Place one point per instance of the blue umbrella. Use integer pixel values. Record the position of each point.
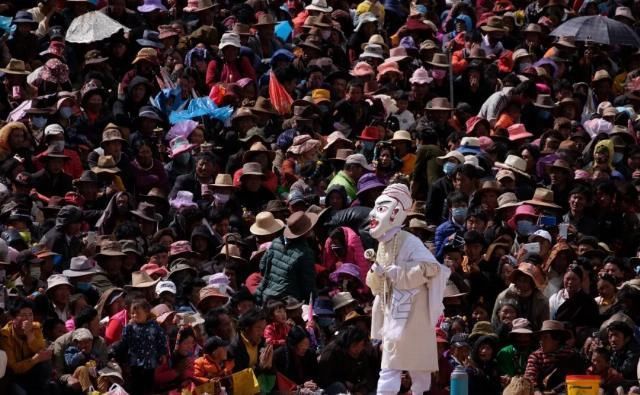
(598, 29)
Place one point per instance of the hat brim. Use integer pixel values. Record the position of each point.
(110, 254)
(77, 273)
(508, 167)
(486, 28)
(259, 231)
(541, 203)
(110, 170)
(313, 220)
(312, 7)
(146, 284)
(156, 218)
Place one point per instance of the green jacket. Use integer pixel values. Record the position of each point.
(512, 362)
(349, 185)
(288, 269)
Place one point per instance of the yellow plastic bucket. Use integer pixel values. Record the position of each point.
(583, 385)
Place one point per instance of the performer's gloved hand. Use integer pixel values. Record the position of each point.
(392, 272)
(377, 269)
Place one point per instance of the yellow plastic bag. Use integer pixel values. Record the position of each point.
(245, 382)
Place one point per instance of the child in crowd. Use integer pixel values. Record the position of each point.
(213, 365)
(144, 344)
(277, 330)
(79, 359)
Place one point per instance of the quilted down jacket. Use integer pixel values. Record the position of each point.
(288, 270)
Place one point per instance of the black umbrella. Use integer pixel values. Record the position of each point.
(598, 29)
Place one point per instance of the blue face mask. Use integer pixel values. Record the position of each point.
(525, 227)
(82, 286)
(618, 157)
(39, 122)
(448, 168)
(66, 112)
(459, 214)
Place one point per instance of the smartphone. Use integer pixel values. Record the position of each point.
(532, 248)
(547, 220)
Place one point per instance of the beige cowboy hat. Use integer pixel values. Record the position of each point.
(258, 148)
(514, 163)
(141, 279)
(223, 181)
(542, 197)
(15, 67)
(266, 224)
(106, 164)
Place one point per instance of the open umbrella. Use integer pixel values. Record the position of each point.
(598, 29)
(91, 27)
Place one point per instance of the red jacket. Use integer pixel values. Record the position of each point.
(276, 334)
(72, 167)
(231, 72)
(355, 254)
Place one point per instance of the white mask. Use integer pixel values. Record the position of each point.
(221, 198)
(57, 145)
(386, 215)
(34, 270)
(326, 34)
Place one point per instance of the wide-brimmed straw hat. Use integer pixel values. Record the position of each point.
(514, 163)
(141, 279)
(266, 224)
(553, 326)
(106, 164)
(258, 148)
(15, 67)
(532, 271)
(542, 197)
(299, 224)
(80, 266)
(439, 104)
(110, 248)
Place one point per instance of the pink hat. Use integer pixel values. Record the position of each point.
(522, 211)
(518, 132)
(152, 268)
(180, 247)
(388, 67)
(362, 69)
(399, 192)
(474, 121)
(179, 145)
(242, 82)
(420, 76)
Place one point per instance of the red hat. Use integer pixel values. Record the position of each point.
(252, 282)
(370, 133)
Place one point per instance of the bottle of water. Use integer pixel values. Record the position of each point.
(459, 381)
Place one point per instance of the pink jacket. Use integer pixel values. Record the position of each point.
(355, 254)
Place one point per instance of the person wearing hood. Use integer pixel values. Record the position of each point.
(483, 369)
(13, 138)
(63, 238)
(344, 246)
(138, 93)
(117, 211)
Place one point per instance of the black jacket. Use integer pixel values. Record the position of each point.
(48, 185)
(297, 369)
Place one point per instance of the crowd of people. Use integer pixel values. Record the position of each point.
(185, 199)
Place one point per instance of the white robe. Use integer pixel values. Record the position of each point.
(419, 277)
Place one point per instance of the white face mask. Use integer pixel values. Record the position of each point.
(386, 215)
(326, 34)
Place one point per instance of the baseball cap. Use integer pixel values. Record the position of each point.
(460, 340)
(166, 286)
(541, 233)
(358, 159)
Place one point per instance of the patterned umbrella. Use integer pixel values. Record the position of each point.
(598, 29)
(91, 27)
